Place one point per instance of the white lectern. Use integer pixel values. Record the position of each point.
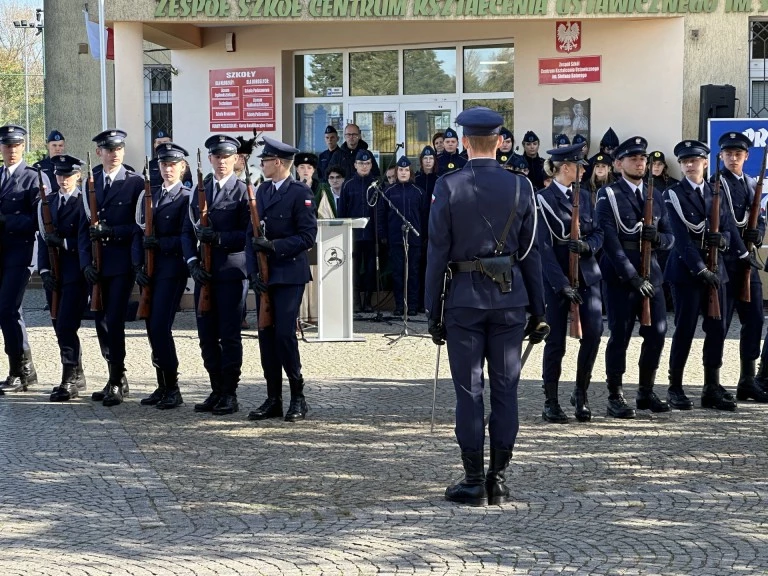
(334, 279)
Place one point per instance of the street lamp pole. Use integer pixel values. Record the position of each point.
(26, 25)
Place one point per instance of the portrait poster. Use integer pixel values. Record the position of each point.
(571, 117)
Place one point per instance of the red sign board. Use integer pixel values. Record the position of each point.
(567, 36)
(242, 99)
(569, 70)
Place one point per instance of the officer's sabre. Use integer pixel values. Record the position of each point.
(446, 277)
(526, 353)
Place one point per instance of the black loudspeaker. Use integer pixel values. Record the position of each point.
(715, 102)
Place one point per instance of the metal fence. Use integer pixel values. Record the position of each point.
(24, 108)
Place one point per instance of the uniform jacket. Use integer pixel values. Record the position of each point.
(156, 179)
(47, 165)
(447, 163)
(117, 209)
(290, 223)
(229, 216)
(554, 231)
(738, 200)
(67, 221)
(410, 200)
(505, 158)
(353, 203)
(463, 201)
(689, 255)
(345, 158)
(168, 223)
(324, 163)
(535, 170)
(619, 263)
(18, 197)
(427, 184)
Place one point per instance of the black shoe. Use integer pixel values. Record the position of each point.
(114, 396)
(748, 387)
(271, 408)
(208, 404)
(553, 413)
(717, 401)
(15, 381)
(99, 395)
(677, 399)
(171, 399)
(647, 399)
(227, 404)
(64, 392)
(159, 392)
(580, 401)
(471, 490)
(618, 407)
(761, 378)
(297, 410)
(495, 485)
(714, 395)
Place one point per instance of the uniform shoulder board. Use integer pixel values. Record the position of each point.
(129, 169)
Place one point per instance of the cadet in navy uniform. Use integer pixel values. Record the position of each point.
(738, 191)
(506, 153)
(409, 200)
(324, 159)
(220, 329)
(117, 191)
(562, 141)
(534, 161)
(67, 211)
(155, 174)
(55, 144)
(290, 228)
(450, 159)
(620, 207)
(353, 203)
(425, 179)
(170, 204)
(556, 245)
(689, 204)
(18, 223)
(484, 218)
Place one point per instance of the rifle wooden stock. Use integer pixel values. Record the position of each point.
(713, 307)
(53, 253)
(573, 260)
(265, 302)
(96, 303)
(754, 213)
(145, 302)
(206, 256)
(646, 249)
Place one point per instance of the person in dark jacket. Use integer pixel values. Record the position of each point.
(535, 162)
(324, 160)
(345, 155)
(425, 179)
(450, 160)
(56, 145)
(658, 165)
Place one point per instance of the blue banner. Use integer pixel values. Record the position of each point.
(756, 129)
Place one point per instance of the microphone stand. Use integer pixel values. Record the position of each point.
(406, 228)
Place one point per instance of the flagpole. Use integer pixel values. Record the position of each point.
(103, 65)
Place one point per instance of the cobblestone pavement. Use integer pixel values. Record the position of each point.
(358, 488)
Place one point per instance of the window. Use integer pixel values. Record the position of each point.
(489, 68)
(311, 120)
(504, 106)
(758, 69)
(319, 75)
(429, 71)
(373, 73)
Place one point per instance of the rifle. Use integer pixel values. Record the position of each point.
(573, 259)
(646, 250)
(53, 253)
(145, 303)
(754, 212)
(265, 302)
(96, 303)
(206, 257)
(713, 309)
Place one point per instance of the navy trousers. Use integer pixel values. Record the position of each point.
(397, 263)
(12, 285)
(166, 296)
(624, 305)
(590, 313)
(750, 313)
(364, 262)
(278, 345)
(475, 337)
(691, 302)
(73, 297)
(110, 321)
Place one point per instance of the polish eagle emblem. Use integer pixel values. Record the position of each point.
(568, 36)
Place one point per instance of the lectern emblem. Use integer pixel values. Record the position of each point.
(334, 257)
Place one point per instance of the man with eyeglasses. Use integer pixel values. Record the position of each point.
(344, 156)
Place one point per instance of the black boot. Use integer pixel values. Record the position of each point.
(495, 485)
(552, 411)
(159, 392)
(297, 410)
(471, 490)
(213, 398)
(28, 368)
(761, 378)
(114, 395)
(16, 381)
(68, 387)
(172, 397)
(271, 408)
(579, 397)
(99, 395)
(646, 398)
(748, 387)
(712, 396)
(675, 394)
(227, 403)
(617, 404)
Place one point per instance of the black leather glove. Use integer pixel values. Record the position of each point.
(643, 286)
(197, 272)
(206, 235)
(53, 240)
(91, 274)
(100, 231)
(579, 247)
(142, 278)
(257, 284)
(261, 244)
(715, 240)
(650, 234)
(709, 278)
(571, 294)
(749, 261)
(49, 282)
(753, 235)
(437, 330)
(151, 242)
(537, 329)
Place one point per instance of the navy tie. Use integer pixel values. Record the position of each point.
(569, 195)
(107, 184)
(639, 196)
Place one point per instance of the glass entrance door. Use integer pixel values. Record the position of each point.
(378, 128)
(421, 120)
